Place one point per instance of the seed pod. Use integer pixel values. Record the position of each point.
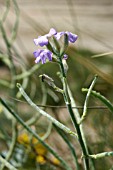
(47, 79)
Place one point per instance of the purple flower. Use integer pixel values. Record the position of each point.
(71, 37)
(59, 34)
(43, 40)
(65, 56)
(41, 55)
(51, 32)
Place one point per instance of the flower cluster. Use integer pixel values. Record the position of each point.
(35, 149)
(43, 40)
(41, 55)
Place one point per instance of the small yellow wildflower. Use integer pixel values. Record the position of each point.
(40, 159)
(39, 148)
(35, 148)
(24, 139)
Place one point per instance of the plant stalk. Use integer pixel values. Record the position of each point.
(74, 121)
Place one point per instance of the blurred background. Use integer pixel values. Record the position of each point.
(92, 21)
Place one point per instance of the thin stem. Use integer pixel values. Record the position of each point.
(7, 164)
(15, 27)
(6, 12)
(74, 121)
(73, 103)
(101, 97)
(25, 83)
(13, 73)
(101, 155)
(33, 120)
(87, 100)
(8, 45)
(27, 73)
(63, 135)
(13, 143)
(81, 126)
(48, 132)
(82, 144)
(35, 135)
(5, 83)
(60, 125)
(61, 107)
(77, 114)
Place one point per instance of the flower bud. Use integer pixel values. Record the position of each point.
(47, 79)
(65, 65)
(50, 82)
(65, 45)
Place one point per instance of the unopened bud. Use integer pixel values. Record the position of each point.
(65, 65)
(47, 79)
(65, 45)
(50, 82)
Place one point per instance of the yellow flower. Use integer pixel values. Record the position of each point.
(32, 144)
(23, 139)
(40, 159)
(39, 148)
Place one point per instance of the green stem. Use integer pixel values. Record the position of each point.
(76, 125)
(101, 155)
(77, 114)
(6, 12)
(7, 164)
(13, 73)
(87, 100)
(16, 24)
(60, 125)
(74, 121)
(35, 135)
(13, 143)
(27, 73)
(63, 135)
(101, 97)
(48, 132)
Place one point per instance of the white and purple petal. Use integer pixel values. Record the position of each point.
(43, 58)
(59, 34)
(49, 55)
(42, 55)
(71, 37)
(65, 56)
(41, 40)
(38, 59)
(51, 32)
(37, 53)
